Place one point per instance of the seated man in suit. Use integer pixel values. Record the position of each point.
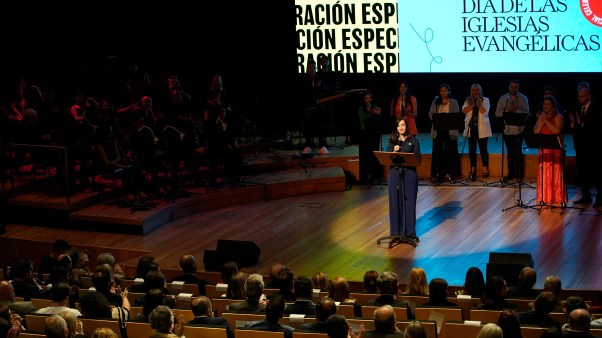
(254, 290)
(203, 315)
(303, 289)
(543, 305)
(387, 285)
(273, 313)
(579, 324)
(188, 276)
(337, 327)
(526, 280)
(7, 297)
(284, 283)
(325, 307)
(385, 321)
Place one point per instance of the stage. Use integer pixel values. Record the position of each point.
(333, 227)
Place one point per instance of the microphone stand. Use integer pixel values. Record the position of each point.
(501, 181)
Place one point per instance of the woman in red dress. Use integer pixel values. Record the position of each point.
(550, 176)
(405, 105)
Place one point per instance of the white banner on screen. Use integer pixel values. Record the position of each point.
(432, 36)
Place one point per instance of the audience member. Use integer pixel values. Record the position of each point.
(388, 288)
(490, 330)
(95, 305)
(105, 284)
(325, 307)
(274, 311)
(273, 274)
(438, 293)
(164, 324)
(570, 304)
(284, 283)
(156, 280)
(236, 286)
(320, 281)
(55, 327)
(474, 283)
(526, 281)
(417, 283)
(7, 297)
(579, 324)
(49, 260)
(303, 290)
(203, 315)
(414, 330)
(60, 300)
(104, 332)
(385, 321)
(370, 278)
(554, 285)
(496, 292)
(544, 304)
(337, 327)
(152, 299)
(509, 323)
(74, 325)
(254, 291)
(339, 291)
(24, 284)
(229, 269)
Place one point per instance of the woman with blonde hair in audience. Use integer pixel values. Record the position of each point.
(414, 330)
(320, 281)
(418, 285)
(491, 330)
(104, 332)
(74, 325)
(236, 286)
(339, 291)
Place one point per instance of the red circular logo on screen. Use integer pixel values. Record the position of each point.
(592, 10)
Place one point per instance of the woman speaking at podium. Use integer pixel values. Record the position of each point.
(403, 183)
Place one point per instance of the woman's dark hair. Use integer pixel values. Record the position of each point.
(474, 282)
(510, 324)
(95, 305)
(152, 299)
(370, 281)
(145, 264)
(229, 269)
(438, 291)
(395, 134)
(439, 99)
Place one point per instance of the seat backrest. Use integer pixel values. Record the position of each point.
(39, 303)
(297, 321)
(457, 329)
(132, 296)
(238, 320)
(298, 334)
(485, 316)
(91, 324)
(34, 322)
(522, 304)
(138, 329)
(86, 281)
(221, 304)
(347, 310)
(356, 322)
(188, 315)
(31, 335)
(134, 311)
(194, 331)
(212, 291)
(430, 326)
(362, 298)
(177, 288)
(532, 331)
(450, 313)
(246, 333)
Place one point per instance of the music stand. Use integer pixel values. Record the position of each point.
(541, 142)
(398, 160)
(444, 122)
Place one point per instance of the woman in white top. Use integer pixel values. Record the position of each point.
(477, 128)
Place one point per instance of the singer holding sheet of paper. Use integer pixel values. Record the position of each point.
(402, 202)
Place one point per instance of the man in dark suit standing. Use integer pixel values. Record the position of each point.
(587, 136)
(303, 289)
(254, 289)
(189, 269)
(203, 315)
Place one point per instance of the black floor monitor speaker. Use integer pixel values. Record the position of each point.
(508, 265)
(244, 253)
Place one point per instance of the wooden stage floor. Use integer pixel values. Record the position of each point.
(336, 232)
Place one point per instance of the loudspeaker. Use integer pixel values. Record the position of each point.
(245, 253)
(508, 265)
